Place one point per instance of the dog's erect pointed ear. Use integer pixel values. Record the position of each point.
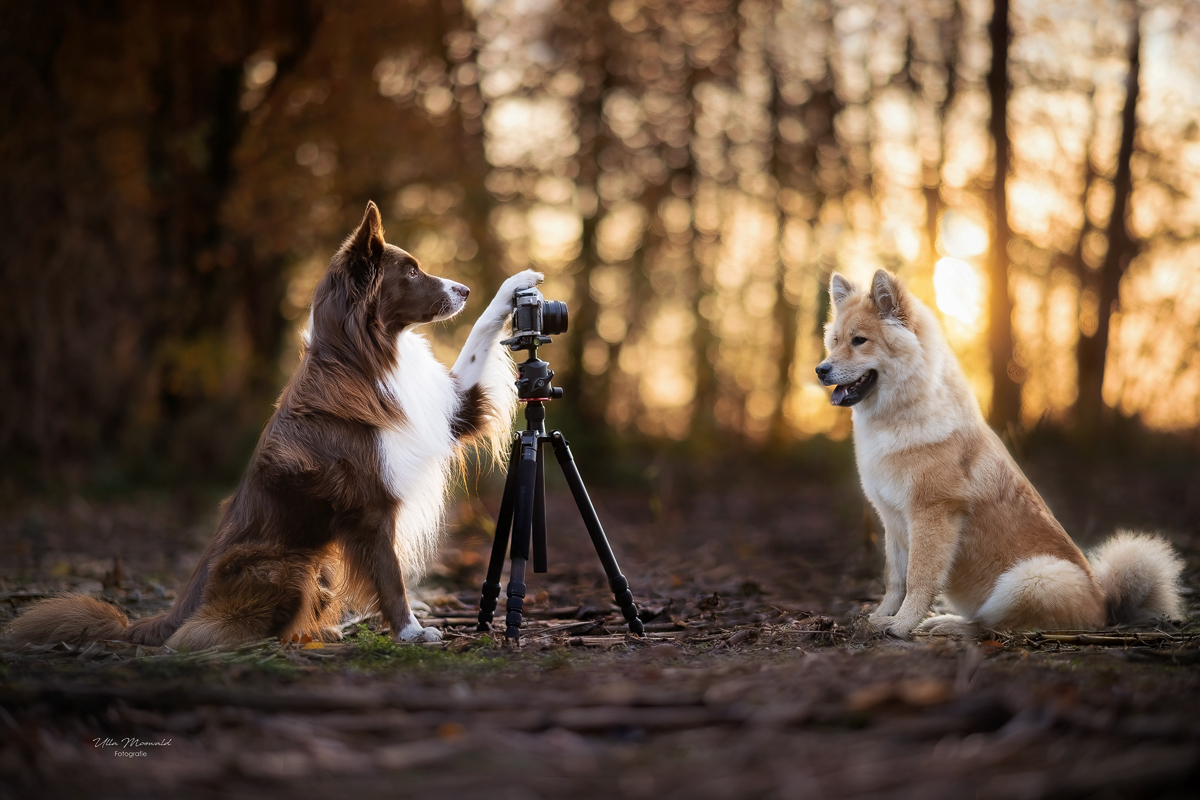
(364, 250)
(888, 295)
(367, 242)
(839, 288)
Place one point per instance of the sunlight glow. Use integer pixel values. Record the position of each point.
(959, 290)
(962, 237)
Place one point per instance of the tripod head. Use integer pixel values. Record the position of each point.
(533, 374)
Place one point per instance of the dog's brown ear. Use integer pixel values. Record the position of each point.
(367, 241)
(888, 295)
(362, 252)
(839, 288)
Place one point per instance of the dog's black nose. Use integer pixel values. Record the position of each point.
(823, 370)
(461, 290)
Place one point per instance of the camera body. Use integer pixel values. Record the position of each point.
(534, 321)
(534, 316)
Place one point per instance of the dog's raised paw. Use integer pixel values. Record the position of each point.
(526, 279)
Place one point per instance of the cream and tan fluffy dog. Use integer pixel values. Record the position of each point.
(961, 520)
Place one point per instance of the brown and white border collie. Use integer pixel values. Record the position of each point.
(344, 496)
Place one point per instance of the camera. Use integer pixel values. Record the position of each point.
(533, 316)
(534, 321)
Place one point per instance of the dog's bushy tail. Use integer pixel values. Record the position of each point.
(73, 618)
(1140, 576)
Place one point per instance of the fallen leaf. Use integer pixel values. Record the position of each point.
(869, 696)
(450, 731)
(924, 692)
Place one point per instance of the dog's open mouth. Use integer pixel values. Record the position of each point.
(847, 394)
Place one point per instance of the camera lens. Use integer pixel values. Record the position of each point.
(554, 317)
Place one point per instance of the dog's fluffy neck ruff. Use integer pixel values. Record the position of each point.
(418, 449)
(898, 413)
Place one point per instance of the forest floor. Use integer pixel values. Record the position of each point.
(752, 683)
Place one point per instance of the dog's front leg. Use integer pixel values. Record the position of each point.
(933, 544)
(483, 345)
(375, 561)
(483, 373)
(895, 550)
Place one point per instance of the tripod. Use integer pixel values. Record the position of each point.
(523, 506)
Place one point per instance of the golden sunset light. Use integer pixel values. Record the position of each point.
(959, 290)
(962, 237)
(873, 327)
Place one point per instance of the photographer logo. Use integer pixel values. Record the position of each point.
(124, 747)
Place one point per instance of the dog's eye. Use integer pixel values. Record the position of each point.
(857, 340)
(412, 272)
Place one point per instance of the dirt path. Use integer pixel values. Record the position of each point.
(752, 682)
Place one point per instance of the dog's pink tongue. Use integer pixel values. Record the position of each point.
(839, 394)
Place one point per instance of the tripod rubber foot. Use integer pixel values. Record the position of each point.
(515, 605)
(624, 598)
(487, 605)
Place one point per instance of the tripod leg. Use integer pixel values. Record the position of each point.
(616, 581)
(491, 584)
(526, 470)
(539, 512)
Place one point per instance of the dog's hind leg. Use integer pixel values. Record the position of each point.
(156, 630)
(327, 603)
(1043, 592)
(254, 593)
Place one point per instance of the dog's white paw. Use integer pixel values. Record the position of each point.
(896, 628)
(880, 621)
(885, 625)
(526, 279)
(873, 626)
(413, 632)
(948, 625)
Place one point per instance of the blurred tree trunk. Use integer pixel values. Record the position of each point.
(127, 291)
(1006, 393)
(589, 28)
(796, 167)
(931, 188)
(1092, 350)
(450, 22)
(786, 312)
(704, 431)
(1084, 271)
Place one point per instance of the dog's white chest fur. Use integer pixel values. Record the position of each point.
(416, 453)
